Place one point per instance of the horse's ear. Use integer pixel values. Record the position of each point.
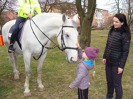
(64, 18)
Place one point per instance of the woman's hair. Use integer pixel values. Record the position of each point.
(124, 27)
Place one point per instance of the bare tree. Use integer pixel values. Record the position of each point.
(59, 6)
(44, 3)
(124, 6)
(118, 5)
(48, 5)
(86, 13)
(2, 7)
(7, 5)
(127, 8)
(130, 12)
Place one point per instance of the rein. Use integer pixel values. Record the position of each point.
(55, 45)
(63, 42)
(39, 42)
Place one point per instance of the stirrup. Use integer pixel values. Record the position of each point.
(11, 49)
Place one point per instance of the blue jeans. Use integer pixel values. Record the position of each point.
(16, 29)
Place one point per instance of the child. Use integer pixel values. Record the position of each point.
(82, 78)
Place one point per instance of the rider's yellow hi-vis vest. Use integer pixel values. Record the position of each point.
(28, 7)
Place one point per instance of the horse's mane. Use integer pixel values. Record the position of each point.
(69, 21)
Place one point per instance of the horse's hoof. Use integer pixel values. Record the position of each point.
(27, 94)
(41, 88)
(16, 77)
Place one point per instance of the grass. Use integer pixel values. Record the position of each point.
(58, 74)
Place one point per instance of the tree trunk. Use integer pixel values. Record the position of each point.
(86, 17)
(85, 37)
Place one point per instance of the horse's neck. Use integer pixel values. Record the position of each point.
(50, 24)
(46, 27)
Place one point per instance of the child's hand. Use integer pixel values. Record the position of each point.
(70, 86)
(93, 74)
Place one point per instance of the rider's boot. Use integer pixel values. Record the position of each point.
(10, 48)
(12, 41)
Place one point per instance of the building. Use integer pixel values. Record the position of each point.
(100, 19)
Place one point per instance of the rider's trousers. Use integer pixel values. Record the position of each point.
(16, 29)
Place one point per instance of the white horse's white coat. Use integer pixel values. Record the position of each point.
(51, 25)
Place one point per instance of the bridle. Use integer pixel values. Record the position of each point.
(63, 45)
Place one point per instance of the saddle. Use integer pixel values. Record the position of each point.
(19, 33)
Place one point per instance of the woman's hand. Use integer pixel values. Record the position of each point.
(104, 61)
(120, 70)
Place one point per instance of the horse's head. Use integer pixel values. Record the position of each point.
(68, 38)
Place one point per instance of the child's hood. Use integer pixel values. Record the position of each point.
(89, 67)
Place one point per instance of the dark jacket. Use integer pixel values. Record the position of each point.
(117, 48)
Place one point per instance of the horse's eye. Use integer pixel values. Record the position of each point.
(67, 35)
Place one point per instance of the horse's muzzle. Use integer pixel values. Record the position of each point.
(72, 60)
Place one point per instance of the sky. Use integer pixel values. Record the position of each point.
(104, 4)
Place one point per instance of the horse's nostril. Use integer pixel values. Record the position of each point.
(72, 60)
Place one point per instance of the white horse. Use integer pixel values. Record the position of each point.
(35, 41)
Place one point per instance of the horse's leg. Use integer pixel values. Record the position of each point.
(39, 71)
(27, 58)
(13, 58)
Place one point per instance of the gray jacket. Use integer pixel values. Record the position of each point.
(82, 77)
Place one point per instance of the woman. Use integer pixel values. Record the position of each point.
(115, 55)
(26, 10)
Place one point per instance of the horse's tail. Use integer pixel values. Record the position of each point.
(5, 30)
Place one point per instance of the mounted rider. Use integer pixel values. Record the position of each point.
(27, 9)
